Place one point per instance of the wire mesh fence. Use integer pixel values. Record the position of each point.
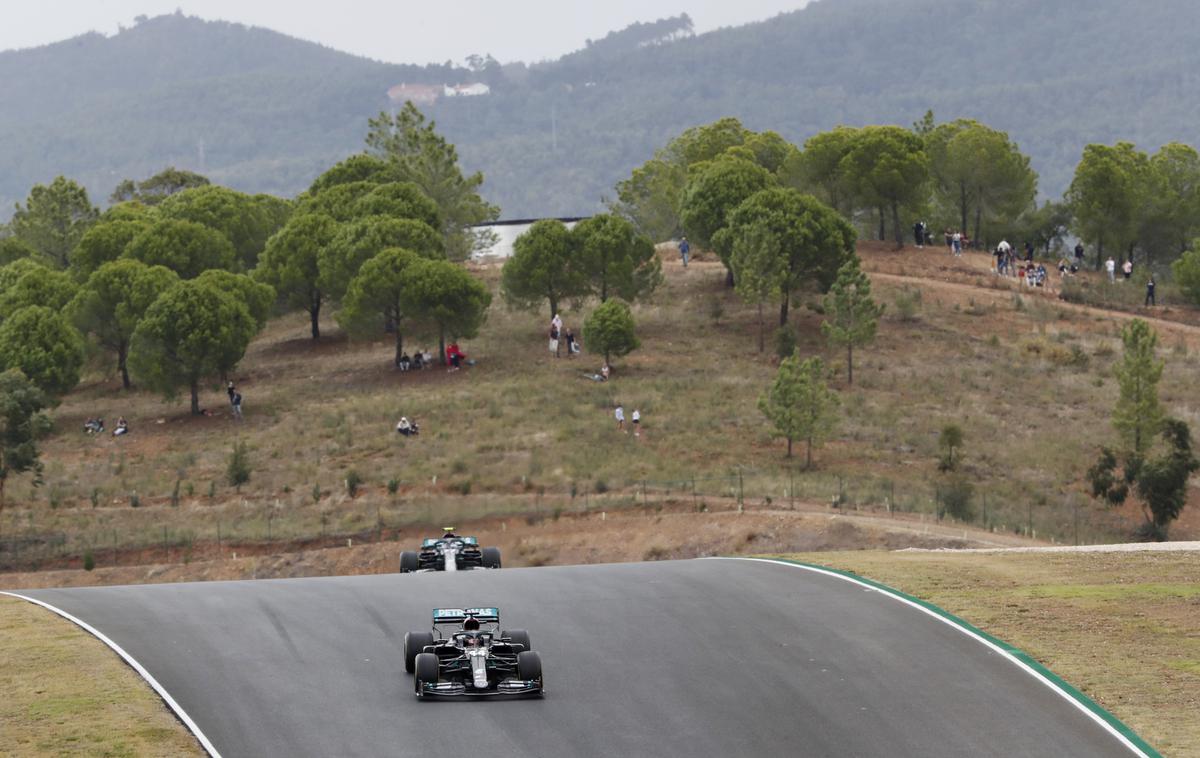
(36, 538)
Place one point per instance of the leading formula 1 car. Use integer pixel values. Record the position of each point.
(450, 552)
(467, 654)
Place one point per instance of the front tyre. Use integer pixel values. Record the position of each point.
(426, 665)
(529, 668)
(414, 643)
(491, 557)
(409, 562)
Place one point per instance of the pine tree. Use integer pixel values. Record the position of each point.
(799, 404)
(853, 317)
(1138, 415)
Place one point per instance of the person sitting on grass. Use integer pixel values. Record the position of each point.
(455, 356)
(405, 363)
(93, 426)
(407, 428)
(122, 427)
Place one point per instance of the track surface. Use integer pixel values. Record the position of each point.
(690, 658)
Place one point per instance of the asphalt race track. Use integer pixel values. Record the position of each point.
(688, 658)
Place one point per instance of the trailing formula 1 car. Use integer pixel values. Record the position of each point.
(450, 552)
(466, 654)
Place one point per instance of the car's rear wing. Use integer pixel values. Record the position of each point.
(459, 615)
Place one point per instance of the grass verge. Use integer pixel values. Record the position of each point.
(1122, 627)
(65, 693)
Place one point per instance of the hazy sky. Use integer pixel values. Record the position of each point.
(398, 32)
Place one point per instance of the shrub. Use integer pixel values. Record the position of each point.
(716, 309)
(785, 342)
(954, 496)
(135, 501)
(95, 497)
(237, 472)
(353, 480)
(393, 485)
(601, 486)
(316, 493)
(89, 561)
(908, 304)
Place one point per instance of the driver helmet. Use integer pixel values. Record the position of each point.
(471, 624)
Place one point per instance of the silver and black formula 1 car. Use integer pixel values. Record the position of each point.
(466, 654)
(450, 552)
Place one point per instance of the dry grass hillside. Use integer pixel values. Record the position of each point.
(1027, 377)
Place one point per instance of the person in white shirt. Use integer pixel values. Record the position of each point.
(1111, 267)
(637, 419)
(620, 416)
(1127, 269)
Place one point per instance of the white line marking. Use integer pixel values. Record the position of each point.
(162, 692)
(954, 625)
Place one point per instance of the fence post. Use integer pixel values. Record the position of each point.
(166, 550)
(740, 488)
(114, 547)
(792, 486)
(694, 505)
(218, 538)
(645, 500)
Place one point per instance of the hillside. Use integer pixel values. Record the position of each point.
(554, 137)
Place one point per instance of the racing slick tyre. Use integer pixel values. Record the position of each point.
(409, 562)
(426, 666)
(414, 643)
(519, 637)
(529, 666)
(491, 557)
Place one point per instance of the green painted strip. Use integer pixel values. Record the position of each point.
(1082, 699)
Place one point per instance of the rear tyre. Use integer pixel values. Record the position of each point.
(426, 666)
(409, 562)
(414, 643)
(529, 666)
(520, 637)
(491, 557)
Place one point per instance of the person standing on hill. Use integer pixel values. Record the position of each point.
(919, 234)
(684, 251)
(1111, 267)
(1079, 254)
(236, 403)
(619, 414)
(1127, 269)
(1150, 291)
(637, 420)
(957, 240)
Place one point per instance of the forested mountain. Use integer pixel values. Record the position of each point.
(554, 137)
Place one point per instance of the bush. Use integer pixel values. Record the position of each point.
(601, 486)
(353, 480)
(237, 472)
(89, 561)
(954, 497)
(908, 304)
(785, 342)
(135, 501)
(393, 485)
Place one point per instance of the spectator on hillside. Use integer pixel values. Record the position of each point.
(1002, 251)
(684, 251)
(956, 241)
(122, 427)
(1127, 269)
(1063, 268)
(619, 414)
(426, 359)
(407, 428)
(1111, 267)
(1150, 291)
(231, 391)
(1078, 253)
(93, 426)
(919, 233)
(949, 240)
(405, 362)
(455, 356)
(236, 403)
(1028, 251)
(572, 343)
(637, 420)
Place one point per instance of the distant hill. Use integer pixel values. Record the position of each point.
(553, 138)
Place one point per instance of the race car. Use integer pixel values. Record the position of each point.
(466, 654)
(450, 552)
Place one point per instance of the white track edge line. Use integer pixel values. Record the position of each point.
(955, 625)
(133, 662)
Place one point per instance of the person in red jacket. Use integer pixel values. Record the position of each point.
(455, 356)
